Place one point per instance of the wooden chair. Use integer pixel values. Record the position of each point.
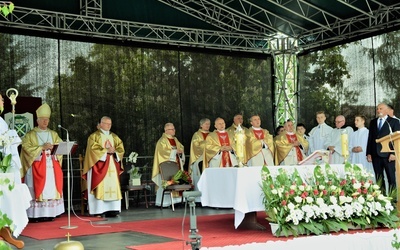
(167, 170)
(135, 188)
(126, 188)
(84, 201)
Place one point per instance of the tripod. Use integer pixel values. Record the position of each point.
(195, 239)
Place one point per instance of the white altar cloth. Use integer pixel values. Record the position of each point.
(14, 203)
(237, 188)
(240, 188)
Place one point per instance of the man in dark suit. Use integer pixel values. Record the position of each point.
(378, 128)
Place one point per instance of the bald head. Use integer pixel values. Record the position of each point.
(219, 124)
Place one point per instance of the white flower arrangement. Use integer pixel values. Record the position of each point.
(134, 171)
(326, 202)
(132, 158)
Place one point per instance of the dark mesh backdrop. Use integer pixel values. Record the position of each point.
(142, 89)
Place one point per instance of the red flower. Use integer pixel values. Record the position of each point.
(284, 202)
(316, 192)
(291, 192)
(324, 192)
(341, 193)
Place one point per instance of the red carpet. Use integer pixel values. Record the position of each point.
(52, 230)
(216, 230)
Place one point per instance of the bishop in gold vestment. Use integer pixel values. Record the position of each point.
(41, 170)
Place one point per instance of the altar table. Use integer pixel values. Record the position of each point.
(240, 188)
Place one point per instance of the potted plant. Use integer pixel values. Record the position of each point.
(134, 172)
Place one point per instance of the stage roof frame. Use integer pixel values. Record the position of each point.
(240, 26)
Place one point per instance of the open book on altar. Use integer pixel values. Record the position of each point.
(318, 157)
(64, 148)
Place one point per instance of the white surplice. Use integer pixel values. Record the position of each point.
(360, 139)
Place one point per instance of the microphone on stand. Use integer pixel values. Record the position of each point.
(65, 130)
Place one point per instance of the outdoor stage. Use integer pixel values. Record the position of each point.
(152, 228)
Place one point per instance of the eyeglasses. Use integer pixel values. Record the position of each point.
(338, 121)
(170, 129)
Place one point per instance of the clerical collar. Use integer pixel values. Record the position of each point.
(256, 128)
(289, 133)
(221, 131)
(169, 136)
(203, 131)
(105, 132)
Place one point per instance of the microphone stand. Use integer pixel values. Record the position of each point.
(68, 184)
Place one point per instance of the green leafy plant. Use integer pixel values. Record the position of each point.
(395, 242)
(326, 201)
(5, 162)
(4, 220)
(6, 8)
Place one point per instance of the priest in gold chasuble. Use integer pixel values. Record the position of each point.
(259, 144)
(197, 146)
(291, 147)
(219, 149)
(168, 148)
(102, 167)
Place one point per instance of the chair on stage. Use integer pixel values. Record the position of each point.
(126, 188)
(167, 170)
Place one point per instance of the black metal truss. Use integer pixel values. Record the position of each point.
(240, 25)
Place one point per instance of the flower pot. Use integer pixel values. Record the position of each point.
(274, 229)
(135, 182)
